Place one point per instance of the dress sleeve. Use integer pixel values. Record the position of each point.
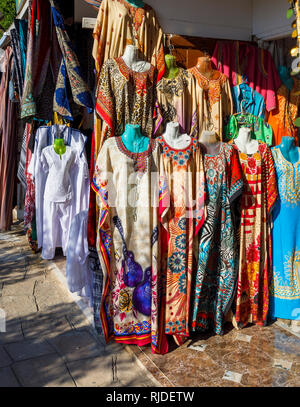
(235, 176)
(227, 100)
(100, 34)
(104, 96)
(272, 191)
(158, 57)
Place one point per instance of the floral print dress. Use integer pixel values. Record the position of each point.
(186, 182)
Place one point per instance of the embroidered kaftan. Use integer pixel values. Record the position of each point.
(285, 287)
(217, 101)
(125, 96)
(218, 256)
(128, 242)
(186, 181)
(177, 100)
(255, 269)
(120, 24)
(283, 117)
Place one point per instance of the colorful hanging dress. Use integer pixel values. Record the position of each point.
(255, 269)
(120, 24)
(177, 100)
(261, 130)
(131, 198)
(217, 100)
(186, 182)
(283, 117)
(218, 256)
(285, 287)
(125, 96)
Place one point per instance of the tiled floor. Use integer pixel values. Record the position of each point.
(254, 356)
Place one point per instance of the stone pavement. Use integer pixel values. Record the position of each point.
(48, 340)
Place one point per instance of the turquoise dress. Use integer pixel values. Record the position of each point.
(285, 284)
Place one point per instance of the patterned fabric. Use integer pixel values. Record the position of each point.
(249, 100)
(128, 244)
(22, 161)
(124, 96)
(285, 287)
(94, 3)
(95, 267)
(186, 180)
(119, 24)
(255, 269)
(237, 60)
(15, 40)
(8, 144)
(70, 69)
(217, 100)
(177, 100)
(261, 130)
(218, 256)
(283, 117)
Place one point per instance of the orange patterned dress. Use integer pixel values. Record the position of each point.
(186, 180)
(283, 117)
(217, 100)
(258, 199)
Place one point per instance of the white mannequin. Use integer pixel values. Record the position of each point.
(245, 143)
(174, 138)
(210, 141)
(130, 58)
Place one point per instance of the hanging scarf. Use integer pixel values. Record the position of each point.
(69, 73)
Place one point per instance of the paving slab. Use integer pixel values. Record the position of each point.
(92, 372)
(13, 332)
(28, 349)
(5, 360)
(45, 325)
(7, 378)
(24, 287)
(44, 371)
(49, 294)
(17, 307)
(77, 345)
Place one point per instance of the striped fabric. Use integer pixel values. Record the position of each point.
(94, 3)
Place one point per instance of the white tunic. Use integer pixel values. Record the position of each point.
(64, 194)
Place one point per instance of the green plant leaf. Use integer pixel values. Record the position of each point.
(297, 122)
(289, 13)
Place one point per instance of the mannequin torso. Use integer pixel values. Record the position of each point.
(289, 149)
(59, 146)
(134, 140)
(209, 140)
(136, 3)
(204, 66)
(245, 143)
(173, 137)
(171, 67)
(130, 58)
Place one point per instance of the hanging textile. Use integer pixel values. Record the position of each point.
(8, 143)
(283, 117)
(15, 41)
(94, 3)
(236, 60)
(248, 100)
(44, 137)
(177, 100)
(261, 130)
(255, 260)
(217, 100)
(125, 96)
(186, 180)
(22, 28)
(119, 24)
(128, 242)
(69, 73)
(218, 257)
(285, 286)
